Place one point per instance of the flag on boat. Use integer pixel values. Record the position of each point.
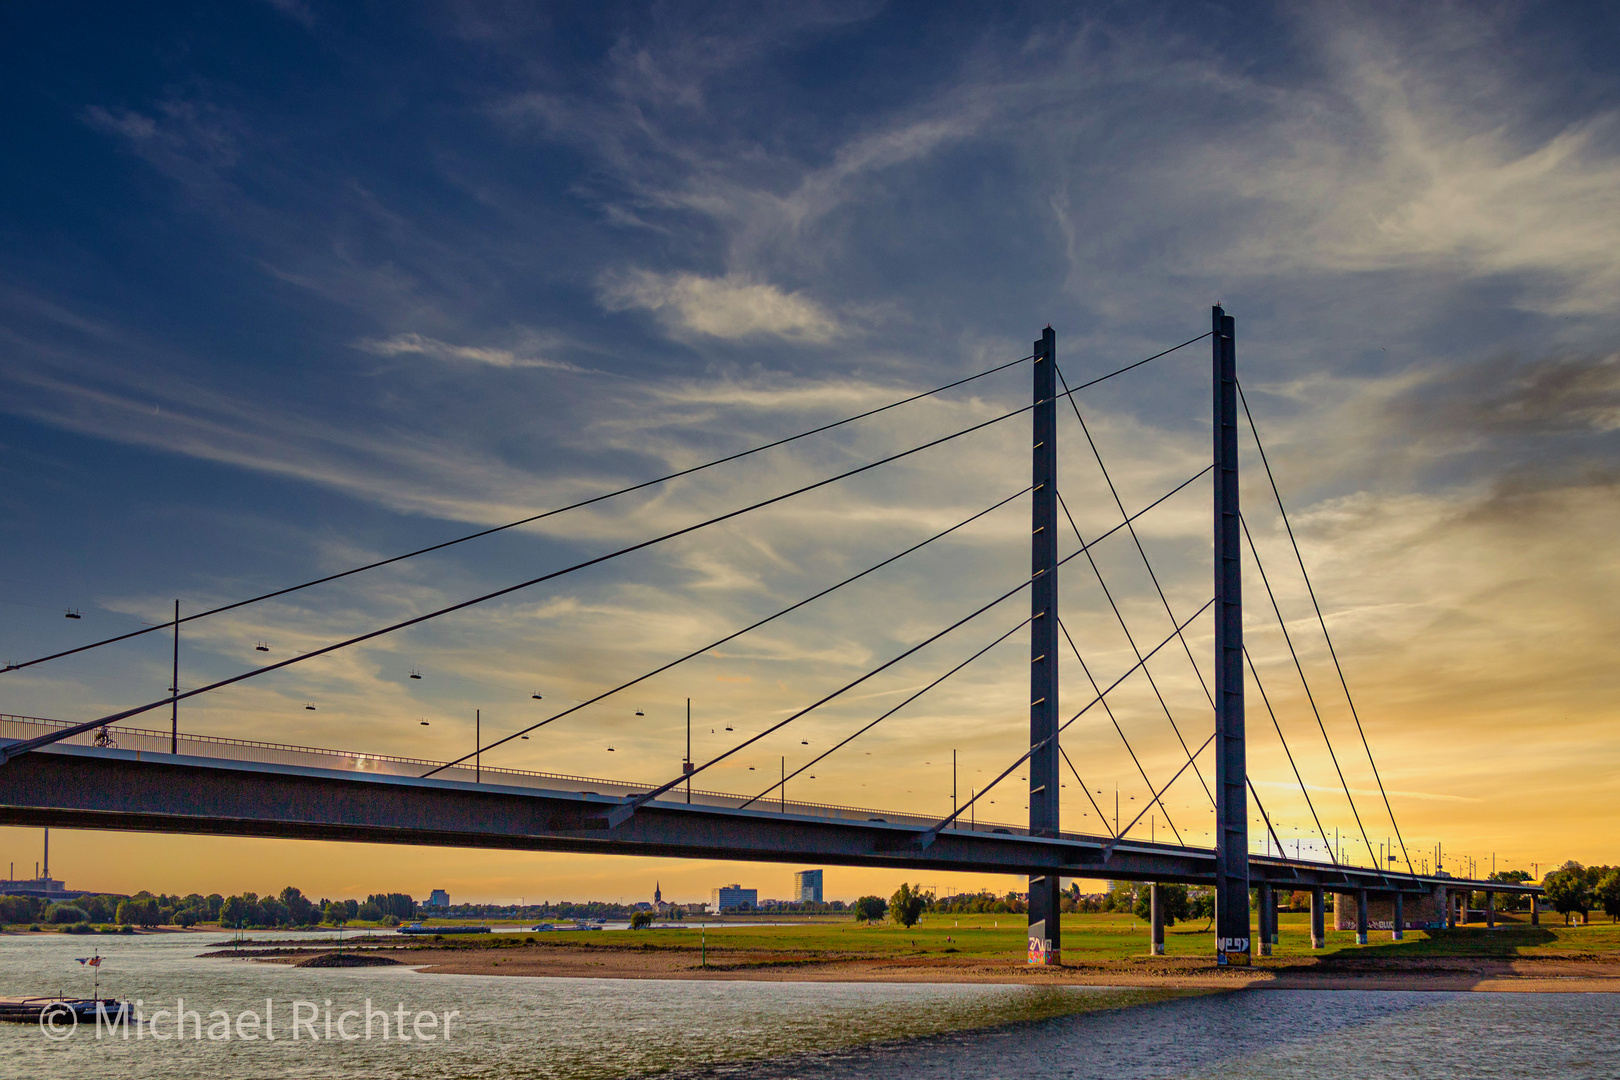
(93, 961)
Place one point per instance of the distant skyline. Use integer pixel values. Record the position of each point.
(290, 286)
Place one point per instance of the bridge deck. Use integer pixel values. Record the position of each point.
(244, 788)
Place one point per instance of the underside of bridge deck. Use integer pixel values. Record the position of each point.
(84, 788)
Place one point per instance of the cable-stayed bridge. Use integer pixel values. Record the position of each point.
(105, 773)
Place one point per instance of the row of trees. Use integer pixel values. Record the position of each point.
(289, 907)
(910, 902)
(1573, 887)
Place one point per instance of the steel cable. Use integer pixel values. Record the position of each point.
(1281, 509)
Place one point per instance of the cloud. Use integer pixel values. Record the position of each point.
(1550, 395)
(1414, 156)
(414, 344)
(731, 307)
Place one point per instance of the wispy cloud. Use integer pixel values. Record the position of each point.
(731, 308)
(414, 344)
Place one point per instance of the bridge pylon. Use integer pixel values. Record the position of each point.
(1045, 932)
(1232, 940)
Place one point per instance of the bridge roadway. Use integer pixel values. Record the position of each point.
(229, 787)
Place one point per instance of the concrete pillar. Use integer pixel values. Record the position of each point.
(1361, 916)
(1446, 906)
(1318, 929)
(1268, 915)
(1490, 910)
(1400, 917)
(1156, 921)
(1535, 911)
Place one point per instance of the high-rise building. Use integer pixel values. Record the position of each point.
(438, 898)
(733, 898)
(807, 886)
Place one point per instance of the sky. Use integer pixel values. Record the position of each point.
(287, 287)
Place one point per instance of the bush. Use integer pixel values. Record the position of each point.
(641, 920)
(67, 913)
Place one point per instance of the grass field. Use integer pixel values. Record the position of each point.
(1086, 938)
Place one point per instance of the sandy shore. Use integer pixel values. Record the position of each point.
(599, 962)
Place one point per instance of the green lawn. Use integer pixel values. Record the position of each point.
(1085, 937)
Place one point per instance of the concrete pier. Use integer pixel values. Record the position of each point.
(1399, 927)
(1447, 906)
(1361, 916)
(1535, 911)
(1318, 919)
(1156, 920)
(1490, 911)
(1268, 917)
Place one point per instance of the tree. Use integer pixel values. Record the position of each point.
(136, 912)
(1567, 889)
(232, 913)
(870, 909)
(298, 907)
(369, 912)
(66, 913)
(907, 904)
(1172, 898)
(641, 920)
(1202, 905)
(1608, 892)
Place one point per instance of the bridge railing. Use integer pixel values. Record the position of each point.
(149, 741)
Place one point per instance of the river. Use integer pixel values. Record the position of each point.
(563, 1029)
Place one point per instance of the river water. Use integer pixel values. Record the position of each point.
(521, 1028)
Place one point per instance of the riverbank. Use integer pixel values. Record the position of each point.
(1100, 950)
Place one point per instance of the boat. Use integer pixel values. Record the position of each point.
(418, 928)
(30, 1010)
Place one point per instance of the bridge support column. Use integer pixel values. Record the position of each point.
(1535, 911)
(1268, 916)
(1446, 909)
(1231, 759)
(1156, 920)
(1490, 911)
(1361, 916)
(1399, 930)
(1318, 927)
(1045, 930)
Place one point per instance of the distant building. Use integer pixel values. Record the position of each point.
(733, 898)
(807, 886)
(438, 898)
(45, 888)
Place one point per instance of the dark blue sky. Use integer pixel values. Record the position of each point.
(288, 286)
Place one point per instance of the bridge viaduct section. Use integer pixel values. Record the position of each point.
(82, 787)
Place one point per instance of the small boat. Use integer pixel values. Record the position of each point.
(30, 1010)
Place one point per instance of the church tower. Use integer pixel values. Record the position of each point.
(658, 895)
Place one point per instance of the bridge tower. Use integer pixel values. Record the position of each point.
(1045, 934)
(1231, 765)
